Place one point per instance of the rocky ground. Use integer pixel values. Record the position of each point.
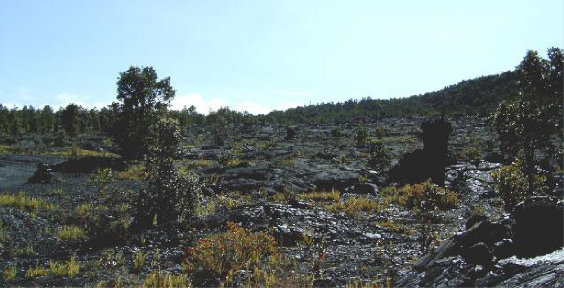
(264, 182)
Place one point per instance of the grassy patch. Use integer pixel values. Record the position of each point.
(81, 152)
(27, 203)
(427, 194)
(280, 197)
(354, 205)
(333, 196)
(395, 227)
(159, 279)
(139, 260)
(223, 254)
(11, 272)
(198, 163)
(135, 172)
(71, 234)
(69, 268)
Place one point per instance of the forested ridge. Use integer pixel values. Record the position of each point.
(479, 96)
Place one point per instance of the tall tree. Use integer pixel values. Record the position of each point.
(534, 117)
(46, 120)
(71, 119)
(142, 101)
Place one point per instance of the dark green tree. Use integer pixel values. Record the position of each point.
(527, 124)
(46, 120)
(71, 119)
(170, 194)
(379, 157)
(143, 99)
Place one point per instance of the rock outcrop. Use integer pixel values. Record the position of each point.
(491, 253)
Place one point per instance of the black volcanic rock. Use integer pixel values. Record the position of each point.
(429, 163)
(538, 225)
(42, 175)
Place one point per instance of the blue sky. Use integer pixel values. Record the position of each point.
(261, 55)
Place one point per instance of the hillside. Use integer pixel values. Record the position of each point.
(478, 96)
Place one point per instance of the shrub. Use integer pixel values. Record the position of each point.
(512, 185)
(333, 195)
(379, 132)
(70, 269)
(472, 155)
(27, 203)
(423, 199)
(354, 205)
(139, 260)
(11, 272)
(171, 194)
(379, 157)
(71, 234)
(290, 132)
(219, 131)
(336, 132)
(135, 172)
(222, 254)
(360, 135)
(160, 279)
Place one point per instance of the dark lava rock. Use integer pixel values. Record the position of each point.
(89, 164)
(478, 254)
(325, 282)
(475, 219)
(504, 249)
(420, 165)
(365, 189)
(42, 175)
(337, 180)
(486, 254)
(538, 225)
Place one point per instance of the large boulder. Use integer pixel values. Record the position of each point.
(42, 175)
(538, 227)
(420, 165)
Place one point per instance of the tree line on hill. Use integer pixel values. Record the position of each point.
(480, 96)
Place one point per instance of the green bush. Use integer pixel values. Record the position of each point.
(379, 157)
(512, 185)
(423, 199)
(336, 132)
(171, 194)
(473, 155)
(360, 135)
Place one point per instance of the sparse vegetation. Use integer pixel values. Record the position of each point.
(424, 199)
(354, 205)
(360, 135)
(159, 279)
(27, 203)
(69, 268)
(11, 272)
(512, 185)
(249, 208)
(71, 234)
(223, 254)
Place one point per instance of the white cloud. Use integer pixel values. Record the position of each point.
(253, 108)
(202, 106)
(65, 99)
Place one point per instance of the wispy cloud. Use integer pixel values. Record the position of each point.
(202, 105)
(252, 107)
(65, 99)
